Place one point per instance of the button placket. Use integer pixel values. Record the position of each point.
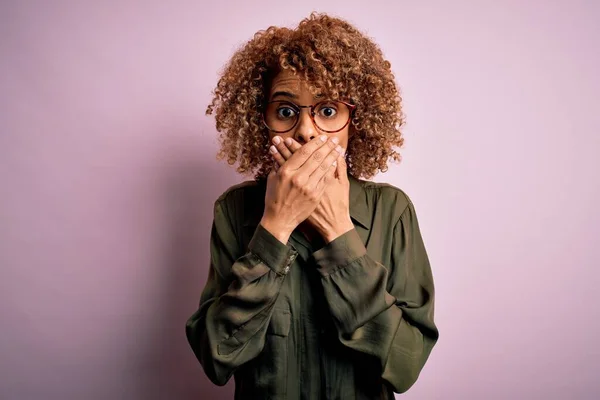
(291, 259)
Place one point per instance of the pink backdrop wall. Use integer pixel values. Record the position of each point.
(108, 179)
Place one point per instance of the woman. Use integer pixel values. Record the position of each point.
(319, 285)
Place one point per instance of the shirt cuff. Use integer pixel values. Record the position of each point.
(271, 251)
(339, 252)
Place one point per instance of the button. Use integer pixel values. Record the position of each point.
(286, 269)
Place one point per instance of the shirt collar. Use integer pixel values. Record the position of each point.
(359, 209)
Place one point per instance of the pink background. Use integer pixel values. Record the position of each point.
(108, 177)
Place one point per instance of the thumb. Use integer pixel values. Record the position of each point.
(272, 172)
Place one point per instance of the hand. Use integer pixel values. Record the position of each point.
(295, 189)
(331, 218)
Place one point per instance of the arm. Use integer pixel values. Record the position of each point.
(385, 312)
(237, 302)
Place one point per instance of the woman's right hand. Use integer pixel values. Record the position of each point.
(294, 190)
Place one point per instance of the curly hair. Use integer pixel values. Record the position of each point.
(337, 61)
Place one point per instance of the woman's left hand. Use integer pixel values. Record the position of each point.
(331, 218)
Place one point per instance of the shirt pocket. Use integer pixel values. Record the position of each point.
(265, 377)
(280, 323)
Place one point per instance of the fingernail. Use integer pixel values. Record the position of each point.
(276, 139)
(340, 149)
(335, 140)
(273, 149)
(323, 138)
(288, 141)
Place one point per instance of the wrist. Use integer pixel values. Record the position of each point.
(337, 231)
(280, 232)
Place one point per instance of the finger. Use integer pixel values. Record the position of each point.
(327, 178)
(306, 152)
(325, 154)
(323, 168)
(281, 147)
(342, 173)
(276, 155)
(292, 145)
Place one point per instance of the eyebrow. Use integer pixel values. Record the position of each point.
(285, 94)
(290, 94)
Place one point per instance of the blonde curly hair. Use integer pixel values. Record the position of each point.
(337, 61)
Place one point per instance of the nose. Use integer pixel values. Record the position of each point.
(305, 129)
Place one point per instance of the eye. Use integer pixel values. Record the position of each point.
(327, 111)
(286, 112)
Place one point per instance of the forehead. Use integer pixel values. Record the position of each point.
(288, 80)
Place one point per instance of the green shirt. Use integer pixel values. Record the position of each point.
(350, 320)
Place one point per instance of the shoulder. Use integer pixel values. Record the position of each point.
(388, 195)
(242, 199)
(240, 190)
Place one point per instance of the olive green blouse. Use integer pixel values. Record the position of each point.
(350, 320)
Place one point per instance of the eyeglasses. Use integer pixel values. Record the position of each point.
(328, 116)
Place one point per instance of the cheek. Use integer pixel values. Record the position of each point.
(343, 136)
(286, 135)
(283, 136)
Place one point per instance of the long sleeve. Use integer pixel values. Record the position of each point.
(383, 311)
(237, 302)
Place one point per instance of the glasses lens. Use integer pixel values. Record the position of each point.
(281, 116)
(331, 115)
